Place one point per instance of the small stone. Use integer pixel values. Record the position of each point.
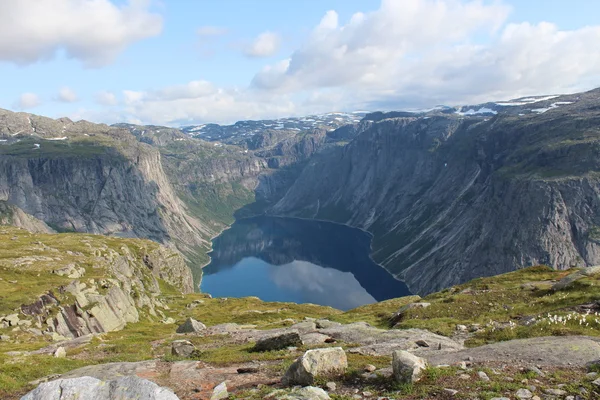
(524, 394)
(168, 321)
(464, 377)
(182, 348)
(4, 338)
(499, 398)
(306, 393)
(191, 326)
(483, 376)
(596, 382)
(536, 370)
(220, 392)
(331, 386)
(407, 367)
(367, 394)
(422, 343)
(370, 368)
(461, 328)
(591, 375)
(60, 352)
(555, 392)
(451, 392)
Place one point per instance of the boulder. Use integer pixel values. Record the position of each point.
(569, 279)
(182, 348)
(220, 392)
(191, 326)
(407, 367)
(305, 326)
(88, 388)
(60, 352)
(316, 362)
(523, 394)
(306, 393)
(279, 341)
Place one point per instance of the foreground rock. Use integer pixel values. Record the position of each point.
(317, 362)
(407, 367)
(191, 326)
(571, 278)
(565, 351)
(279, 341)
(88, 388)
(306, 393)
(182, 348)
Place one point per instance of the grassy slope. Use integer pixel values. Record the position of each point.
(478, 301)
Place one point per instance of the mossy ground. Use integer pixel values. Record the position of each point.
(504, 298)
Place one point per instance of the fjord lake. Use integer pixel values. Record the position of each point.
(300, 261)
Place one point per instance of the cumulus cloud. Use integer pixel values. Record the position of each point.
(28, 100)
(406, 54)
(67, 95)
(265, 45)
(106, 98)
(93, 31)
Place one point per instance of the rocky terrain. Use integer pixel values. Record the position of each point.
(118, 315)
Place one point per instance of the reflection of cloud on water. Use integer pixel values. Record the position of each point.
(320, 285)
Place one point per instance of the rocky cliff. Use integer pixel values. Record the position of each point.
(70, 285)
(12, 215)
(451, 197)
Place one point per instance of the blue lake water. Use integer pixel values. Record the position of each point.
(301, 261)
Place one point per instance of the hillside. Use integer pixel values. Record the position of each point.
(452, 196)
(481, 322)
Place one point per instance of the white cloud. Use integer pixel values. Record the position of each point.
(93, 31)
(67, 95)
(408, 54)
(106, 98)
(265, 45)
(207, 31)
(28, 100)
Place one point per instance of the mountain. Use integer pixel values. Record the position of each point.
(241, 131)
(454, 196)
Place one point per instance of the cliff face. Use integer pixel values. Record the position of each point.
(451, 198)
(12, 215)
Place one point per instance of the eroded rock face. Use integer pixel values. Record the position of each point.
(407, 367)
(316, 362)
(87, 388)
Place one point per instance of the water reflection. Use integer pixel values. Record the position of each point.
(281, 259)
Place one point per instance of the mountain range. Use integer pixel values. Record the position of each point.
(449, 194)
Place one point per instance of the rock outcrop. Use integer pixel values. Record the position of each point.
(88, 388)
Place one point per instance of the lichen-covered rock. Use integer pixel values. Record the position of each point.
(220, 392)
(191, 326)
(88, 388)
(278, 341)
(407, 367)
(316, 362)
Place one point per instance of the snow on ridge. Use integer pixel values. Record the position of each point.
(553, 105)
(525, 100)
(482, 110)
(60, 138)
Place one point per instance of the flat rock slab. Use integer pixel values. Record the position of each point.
(382, 342)
(560, 351)
(188, 379)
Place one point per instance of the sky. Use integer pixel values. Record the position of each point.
(181, 62)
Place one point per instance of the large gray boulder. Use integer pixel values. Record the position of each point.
(407, 367)
(279, 341)
(316, 362)
(191, 326)
(88, 388)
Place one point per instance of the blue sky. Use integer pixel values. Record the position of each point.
(181, 62)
